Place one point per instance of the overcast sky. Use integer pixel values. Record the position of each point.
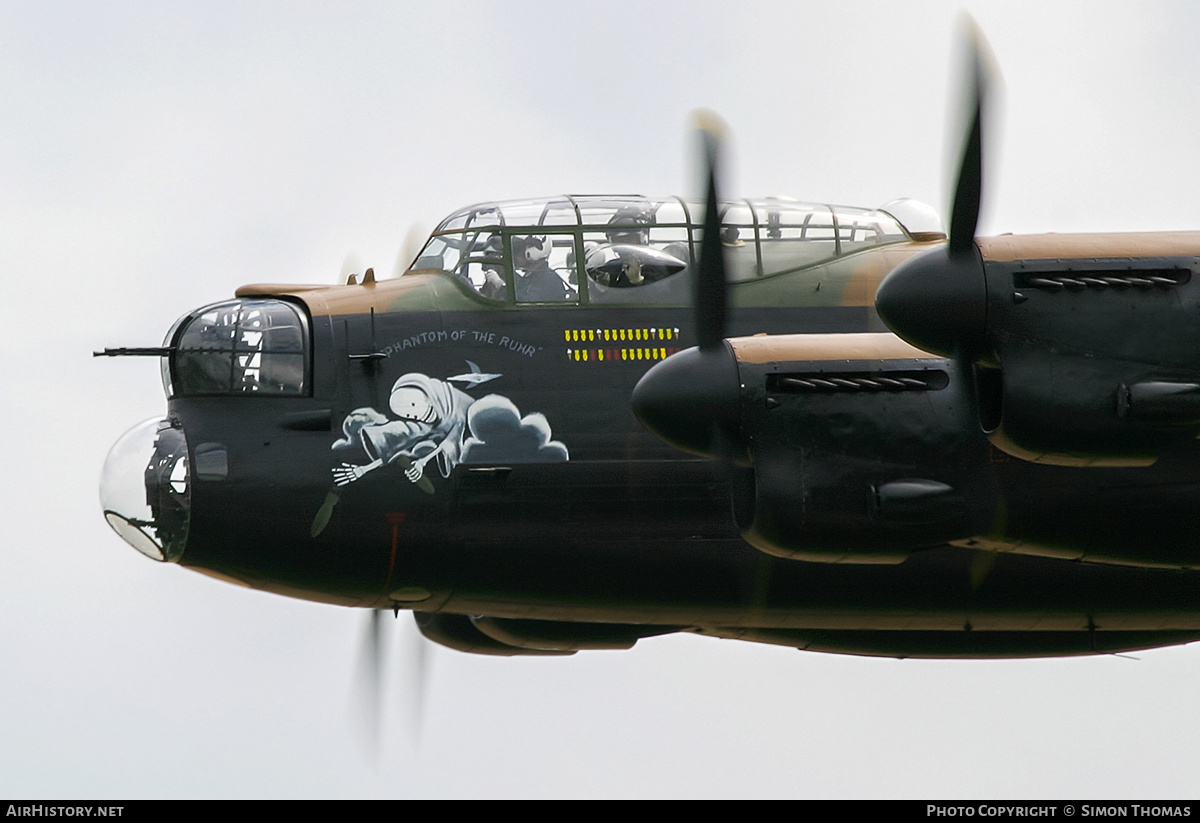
(155, 156)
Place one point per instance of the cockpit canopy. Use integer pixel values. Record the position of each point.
(628, 248)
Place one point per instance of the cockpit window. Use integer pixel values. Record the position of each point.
(474, 258)
(544, 269)
(482, 266)
(795, 235)
(482, 215)
(244, 346)
(627, 264)
(441, 253)
(605, 211)
(634, 249)
(860, 229)
(738, 239)
(554, 212)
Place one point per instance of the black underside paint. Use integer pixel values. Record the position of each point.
(627, 529)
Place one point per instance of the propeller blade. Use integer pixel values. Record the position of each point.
(415, 661)
(368, 689)
(938, 300)
(410, 247)
(710, 279)
(368, 686)
(968, 189)
(691, 399)
(352, 265)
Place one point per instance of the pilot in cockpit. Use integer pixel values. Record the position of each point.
(535, 281)
(630, 226)
(619, 262)
(493, 271)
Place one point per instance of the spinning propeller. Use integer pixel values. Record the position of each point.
(410, 247)
(710, 283)
(368, 689)
(938, 300)
(691, 398)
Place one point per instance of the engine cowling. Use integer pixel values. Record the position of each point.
(1090, 342)
(852, 448)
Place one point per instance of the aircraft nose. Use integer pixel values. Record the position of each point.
(145, 489)
(690, 399)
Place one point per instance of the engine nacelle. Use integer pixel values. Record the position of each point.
(1099, 358)
(850, 448)
(1087, 346)
(859, 458)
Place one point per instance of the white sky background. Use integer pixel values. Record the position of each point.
(153, 158)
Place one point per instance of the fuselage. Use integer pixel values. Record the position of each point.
(459, 440)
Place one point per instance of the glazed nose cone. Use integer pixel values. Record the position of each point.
(145, 489)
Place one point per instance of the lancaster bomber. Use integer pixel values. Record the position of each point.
(577, 421)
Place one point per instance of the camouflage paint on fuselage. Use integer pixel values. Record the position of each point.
(612, 525)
